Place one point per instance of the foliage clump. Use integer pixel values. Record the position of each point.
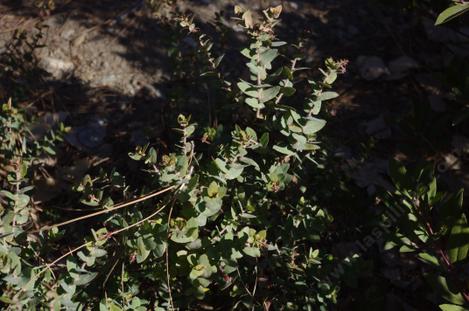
(230, 216)
(235, 220)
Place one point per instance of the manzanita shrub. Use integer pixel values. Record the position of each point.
(234, 225)
(433, 229)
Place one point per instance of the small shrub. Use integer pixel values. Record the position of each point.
(235, 225)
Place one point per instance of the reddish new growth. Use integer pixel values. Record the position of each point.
(342, 65)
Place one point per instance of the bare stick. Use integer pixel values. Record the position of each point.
(171, 303)
(105, 211)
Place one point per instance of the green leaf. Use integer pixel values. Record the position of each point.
(250, 162)
(268, 94)
(71, 265)
(314, 106)
(97, 252)
(247, 216)
(429, 258)
(159, 248)
(22, 201)
(235, 171)
(251, 133)
(252, 251)
(197, 271)
(8, 194)
(257, 71)
(264, 140)
(213, 206)
(254, 103)
(288, 90)
(283, 150)
(458, 241)
(109, 306)
(313, 125)
(85, 278)
(261, 235)
(406, 249)
(327, 96)
(452, 208)
(398, 174)
(300, 143)
(188, 131)
(221, 165)
(247, 89)
(330, 78)
(390, 245)
(278, 43)
(69, 288)
(218, 60)
(202, 269)
(440, 285)
(267, 57)
(49, 150)
(189, 233)
(142, 250)
(212, 189)
(246, 52)
(432, 190)
(449, 307)
(452, 12)
(6, 300)
(89, 260)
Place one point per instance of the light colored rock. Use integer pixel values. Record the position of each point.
(68, 33)
(378, 128)
(58, 68)
(89, 136)
(107, 80)
(449, 163)
(371, 67)
(401, 66)
(293, 5)
(371, 174)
